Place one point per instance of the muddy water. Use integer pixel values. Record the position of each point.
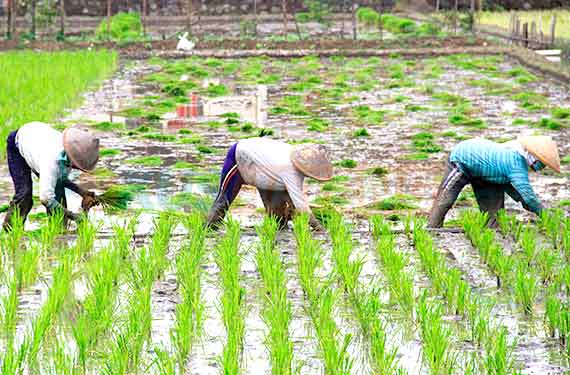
(387, 146)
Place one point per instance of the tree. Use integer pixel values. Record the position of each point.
(284, 11)
(189, 16)
(33, 11)
(62, 18)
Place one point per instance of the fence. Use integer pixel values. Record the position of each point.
(531, 35)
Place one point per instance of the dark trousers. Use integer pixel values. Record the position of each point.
(21, 174)
(490, 197)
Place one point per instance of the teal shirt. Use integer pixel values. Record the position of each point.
(491, 162)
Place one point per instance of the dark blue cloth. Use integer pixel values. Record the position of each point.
(230, 180)
(19, 170)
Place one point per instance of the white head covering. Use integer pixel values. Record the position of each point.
(518, 147)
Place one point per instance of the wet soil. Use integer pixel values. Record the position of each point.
(388, 145)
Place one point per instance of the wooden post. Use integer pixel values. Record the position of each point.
(189, 16)
(455, 15)
(525, 34)
(343, 10)
(553, 30)
(143, 16)
(9, 20)
(533, 37)
(284, 11)
(354, 6)
(255, 17)
(33, 11)
(517, 30)
(540, 31)
(62, 18)
(380, 25)
(437, 5)
(109, 19)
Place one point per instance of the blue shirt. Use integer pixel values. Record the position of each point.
(491, 162)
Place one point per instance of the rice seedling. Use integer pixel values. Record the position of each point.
(38, 86)
(146, 161)
(550, 223)
(49, 232)
(86, 232)
(11, 241)
(321, 300)
(277, 312)
(189, 312)
(527, 242)
(365, 304)
(436, 338)
(232, 300)
(525, 288)
(498, 359)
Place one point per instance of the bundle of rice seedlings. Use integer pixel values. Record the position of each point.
(118, 197)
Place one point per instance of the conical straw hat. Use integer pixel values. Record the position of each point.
(313, 161)
(544, 149)
(81, 147)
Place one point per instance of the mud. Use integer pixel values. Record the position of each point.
(388, 145)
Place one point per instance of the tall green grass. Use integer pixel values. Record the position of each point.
(39, 86)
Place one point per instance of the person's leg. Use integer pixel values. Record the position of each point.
(230, 185)
(453, 182)
(490, 198)
(278, 204)
(22, 178)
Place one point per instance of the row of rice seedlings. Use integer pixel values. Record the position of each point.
(366, 304)
(557, 319)
(321, 299)
(436, 338)
(399, 280)
(126, 349)
(96, 312)
(190, 310)
(227, 258)
(457, 295)
(276, 312)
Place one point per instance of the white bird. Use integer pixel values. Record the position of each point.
(184, 44)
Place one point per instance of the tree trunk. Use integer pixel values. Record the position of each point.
(189, 11)
(284, 11)
(343, 13)
(33, 11)
(62, 18)
(109, 19)
(437, 5)
(380, 25)
(455, 15)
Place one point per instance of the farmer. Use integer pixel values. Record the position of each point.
(277, 170)
(494, 169)
(37, 147)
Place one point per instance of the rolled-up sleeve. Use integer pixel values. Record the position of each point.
(520, 182)
(48, 180)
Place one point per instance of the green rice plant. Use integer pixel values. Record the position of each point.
(147, 161)
(566, 238)
(550, 222)
(166, 365)
(321, 300)
(400, 281)
(49, 232)
(9, 307)
(436, 337)
(13, 362)
(366, 304)
(547, 262)
(38, 86)
(190, 312)
(498, 359)
(527, 242)
(11, 241)
(526, 287)
(26, 266)
(123, 27)
(276, 313)
(478, 316)
(86, 232)
(232, 300)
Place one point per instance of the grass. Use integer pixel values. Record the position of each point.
(39, 86)
(502, 19)
(146, 161)
(232, 299)
(276, 313)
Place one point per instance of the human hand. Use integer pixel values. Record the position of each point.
(89, 201)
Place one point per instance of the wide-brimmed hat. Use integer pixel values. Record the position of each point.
(544, 149)
(81, 147)
(313, 161)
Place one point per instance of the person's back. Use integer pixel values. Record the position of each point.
(487, 160)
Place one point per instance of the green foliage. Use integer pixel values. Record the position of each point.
(124, 27)
(347, 163)
(147, 161)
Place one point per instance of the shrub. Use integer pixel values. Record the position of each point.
(124, 27)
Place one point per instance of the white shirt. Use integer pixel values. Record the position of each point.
(42, 148)
(516, 145)
(266, 164)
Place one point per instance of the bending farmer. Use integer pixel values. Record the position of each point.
(37, 147)
(494, 169)
(277, 170)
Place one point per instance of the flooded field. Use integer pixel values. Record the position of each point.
(449, 307)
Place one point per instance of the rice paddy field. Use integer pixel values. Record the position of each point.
(541, 17)
(149, 290)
